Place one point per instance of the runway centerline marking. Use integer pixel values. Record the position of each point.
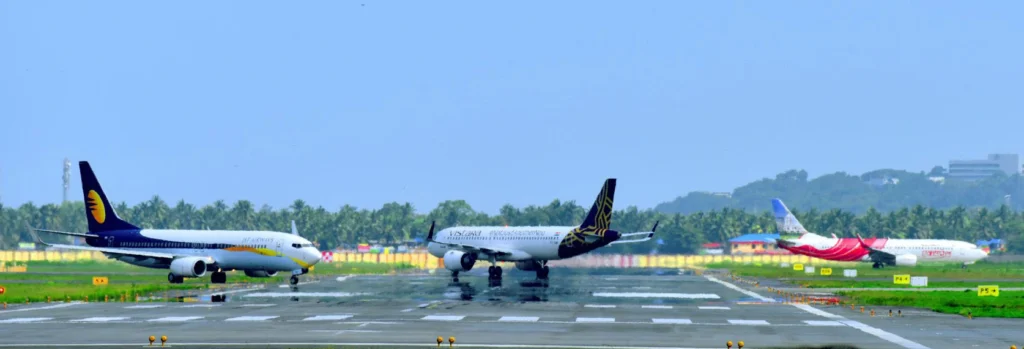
(823, 323)
(327, 318)
(713, 308)
(599, 306)
(21, 320)
(252, 318)
(100, 319)
(656, 306)
(176, 319)
(595, 319)
(672, 321)
(146, 306)
(519, 318)
(877, 332)
(443, 317)
(656, 295)
(55, 306)
(748, 322)
(258, 305)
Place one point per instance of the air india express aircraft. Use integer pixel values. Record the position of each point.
(187, 253)
(529, 247)
(879, 251)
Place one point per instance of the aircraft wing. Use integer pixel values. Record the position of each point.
(876, 254)
(114, 251)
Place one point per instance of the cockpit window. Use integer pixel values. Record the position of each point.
(301, 245)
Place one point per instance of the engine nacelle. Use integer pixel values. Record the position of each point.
(260, 273)
(188, 267)
(459, 261)
(908, 260)
(528, 265)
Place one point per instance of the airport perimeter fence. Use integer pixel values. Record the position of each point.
(426, 261)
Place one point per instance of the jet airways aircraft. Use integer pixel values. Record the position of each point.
(187, 253)
(529, 247)
(880, 251)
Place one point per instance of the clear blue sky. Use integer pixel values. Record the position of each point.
(336, 102)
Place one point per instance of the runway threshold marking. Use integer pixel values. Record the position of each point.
(595, 319)
(877, 332)
(443, 317)
(21, 320)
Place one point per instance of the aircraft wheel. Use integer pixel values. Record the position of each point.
(294, 280)
(171, 278)
(219, 277)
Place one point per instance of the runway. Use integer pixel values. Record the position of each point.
(677, 311)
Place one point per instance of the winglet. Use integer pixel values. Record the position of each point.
(295, 231)
(430, 234)
(35, 236)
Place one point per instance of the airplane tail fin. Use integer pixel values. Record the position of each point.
(785, 221)
(98, 210)
(600, 215)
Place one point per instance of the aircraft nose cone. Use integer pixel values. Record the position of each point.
(313, 256)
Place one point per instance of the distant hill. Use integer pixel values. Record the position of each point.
(885, 190)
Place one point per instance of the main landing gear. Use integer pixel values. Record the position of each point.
(174, 279)
(542, 273)
(294, 280)
(219, 277)
(494, 273)
(455, 276)
(878, 265)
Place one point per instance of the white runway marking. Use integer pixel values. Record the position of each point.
(303, 294)
(641, 287)
(656, 295)
(740, 290)
(252, 318)
(147, 306)
(353, 344)
(823, 323)
(100, 319)
(672, 321)
(748, 322)
(595, 319)
(201, 306)
(21, 320)
(55, 306)
(519, 318)
(599, 306)
(713, 308)
(407, 310)
(176, 319)
(258, 305)
(656, 306)
(443, 317)
(327, 318)
(890, 337)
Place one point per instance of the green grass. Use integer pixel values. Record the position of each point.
(1009, 304)
(59, 280)
(978, 271)
(889, 284)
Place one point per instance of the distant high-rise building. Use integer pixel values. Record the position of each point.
(972, 170)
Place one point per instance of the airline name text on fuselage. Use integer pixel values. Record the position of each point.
(497, 233)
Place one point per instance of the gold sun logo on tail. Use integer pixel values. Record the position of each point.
(99, 213)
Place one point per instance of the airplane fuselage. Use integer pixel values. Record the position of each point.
(244, 250)
(524, 243)
(850, 249)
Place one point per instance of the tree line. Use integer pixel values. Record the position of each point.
(396, 223)
(883, 190)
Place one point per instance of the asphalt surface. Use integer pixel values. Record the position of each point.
(679, 311)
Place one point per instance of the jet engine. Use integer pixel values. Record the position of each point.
(188, 267)
(528, 265)
(459, 261)
(260, 273)
(906, 260)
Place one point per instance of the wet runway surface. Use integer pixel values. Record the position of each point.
(573, 310)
